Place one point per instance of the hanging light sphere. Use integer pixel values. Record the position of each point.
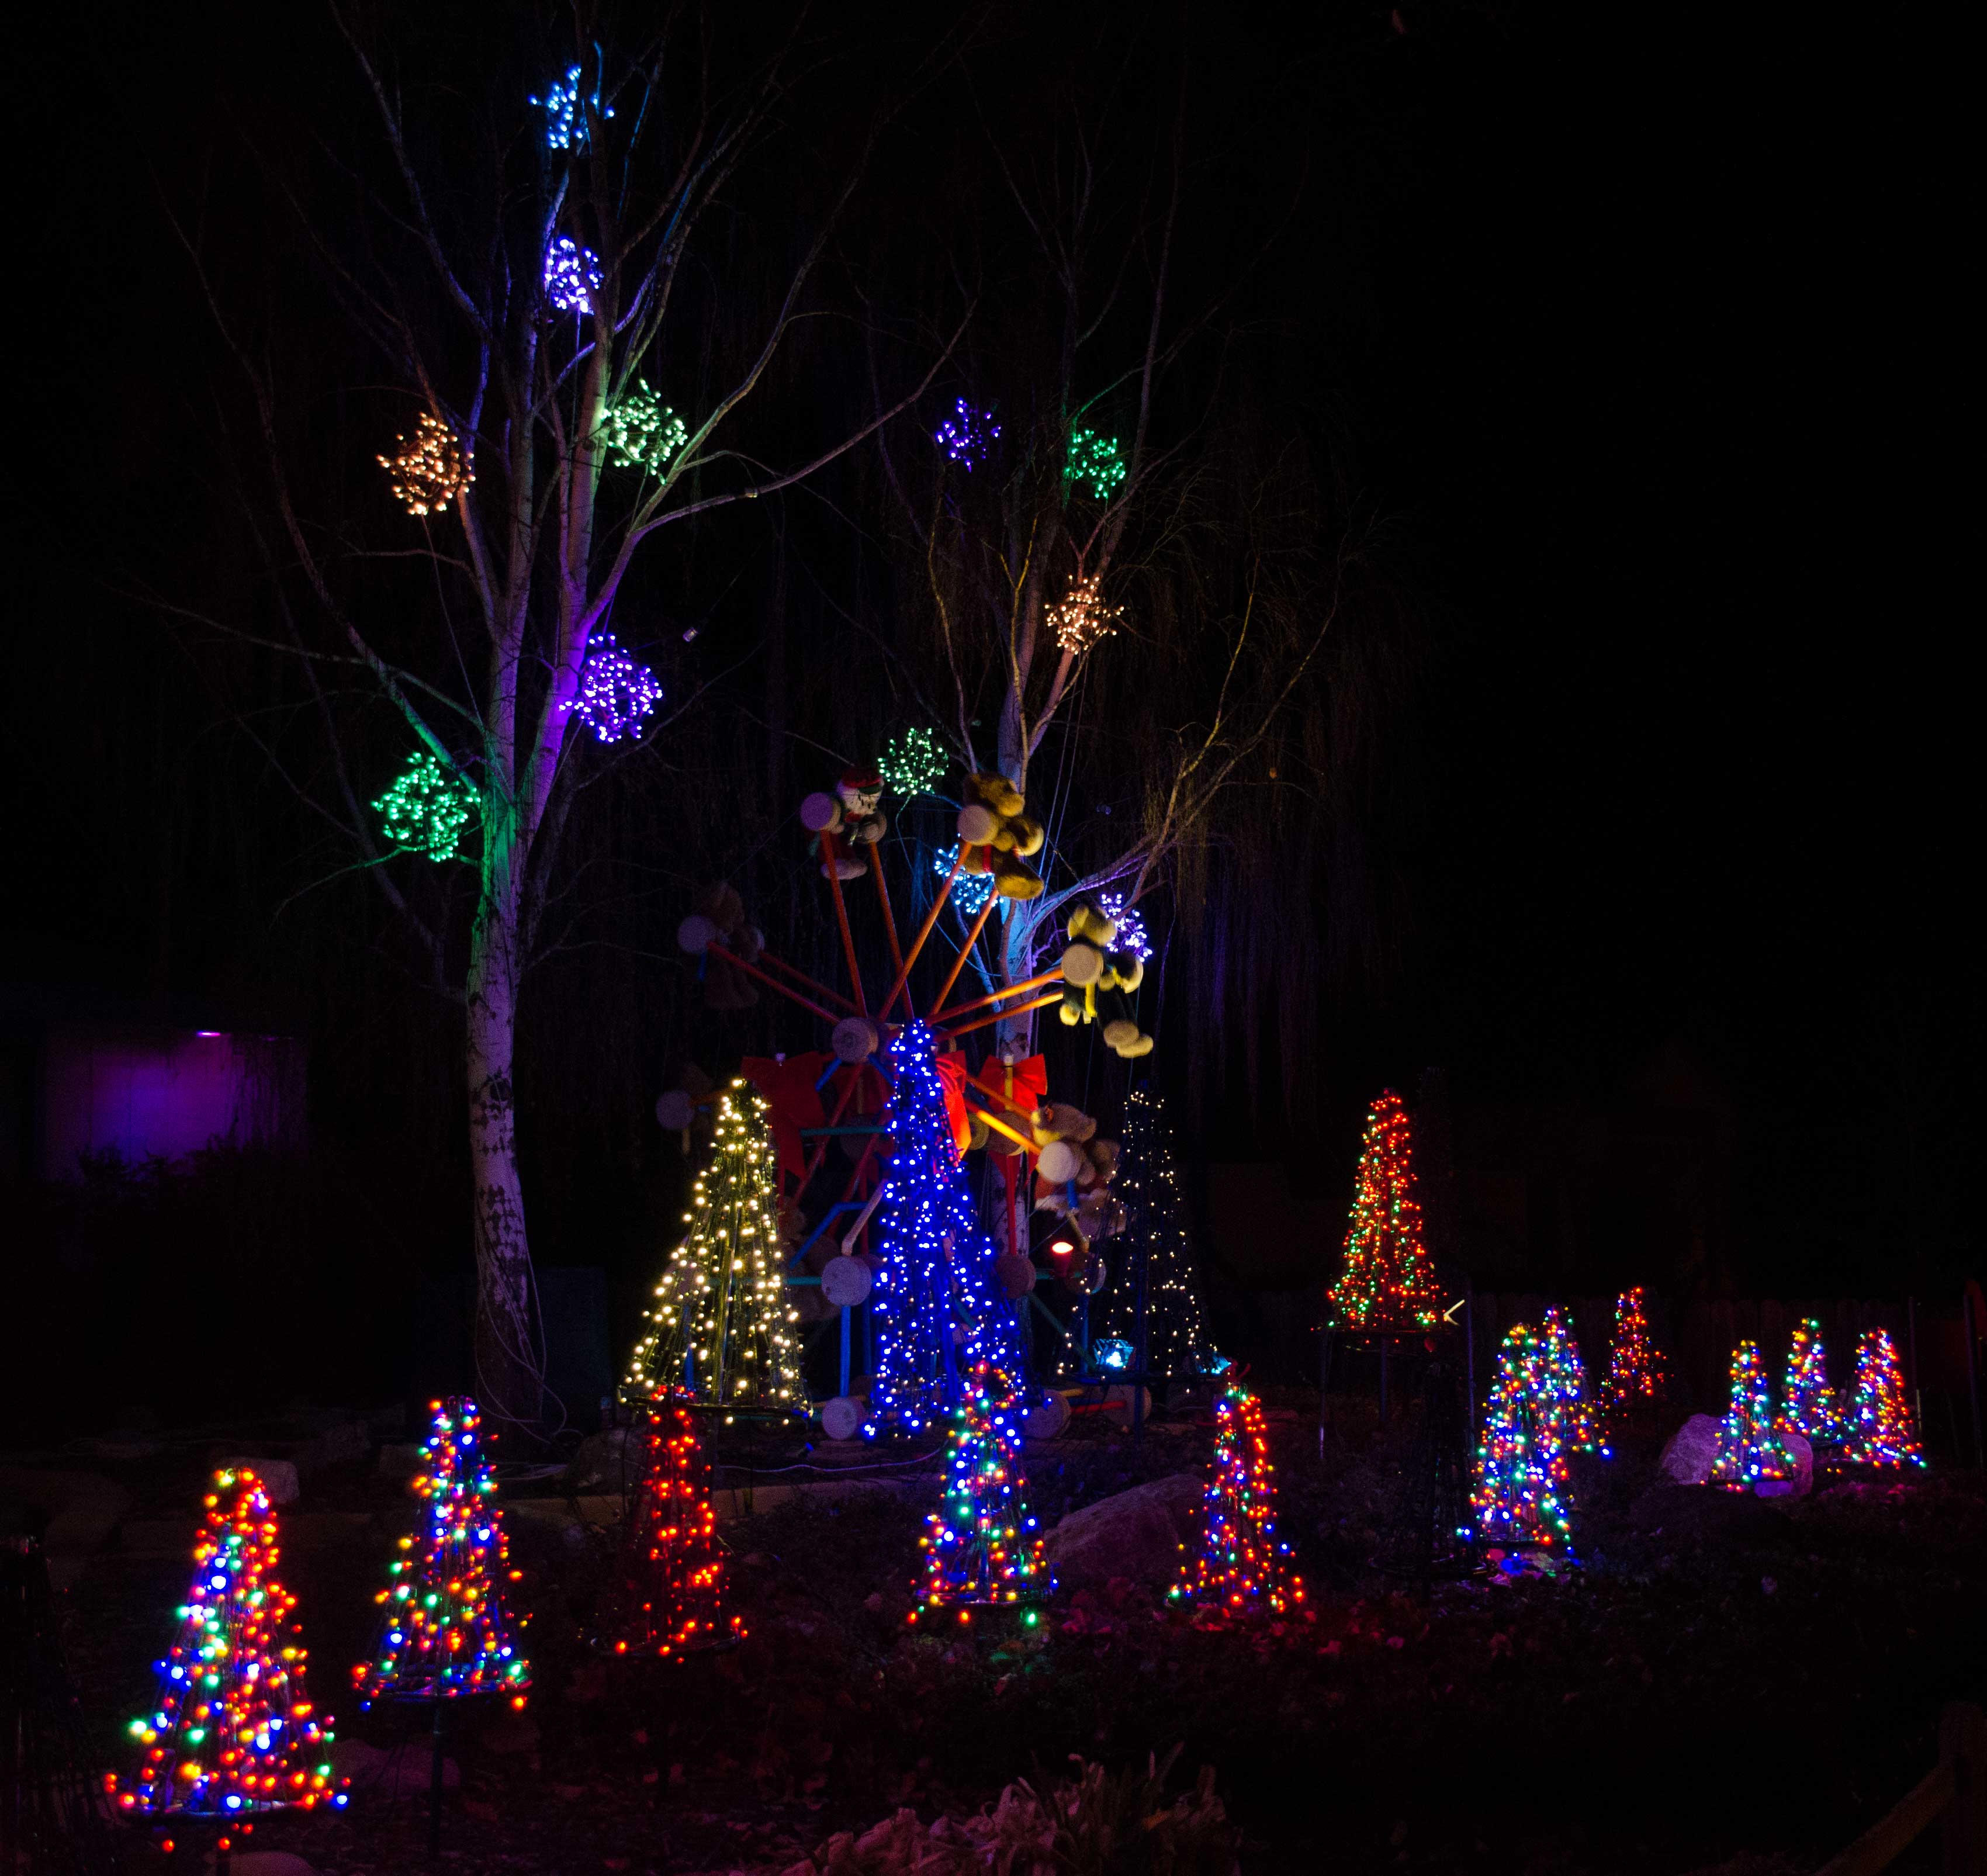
(615, 693)
(572, 275)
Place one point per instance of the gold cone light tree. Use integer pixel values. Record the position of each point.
(724, 1332)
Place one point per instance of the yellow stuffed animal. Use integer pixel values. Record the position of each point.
(996, 837)
(1089, 965)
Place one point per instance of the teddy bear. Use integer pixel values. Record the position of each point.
(996, 837)
(853, 812)
(719, 918)
(1089, 965)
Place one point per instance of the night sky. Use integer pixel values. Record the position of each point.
(1637, 330)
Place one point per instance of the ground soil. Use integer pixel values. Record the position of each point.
(1722, 1685)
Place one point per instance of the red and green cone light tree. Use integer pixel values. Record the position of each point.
(982, 1547)
(446, 1632)
(1385, 1281)
(1880, 1431)
(1808, 1405)
(668, 1600)
(233, 1732)
(1750, 1451)
(1520, 1496)
(1638, 1380)
(1241, 1567)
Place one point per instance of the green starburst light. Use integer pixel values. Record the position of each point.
(912, 762)
(640, 431)
(426, 809)
(1095, 464)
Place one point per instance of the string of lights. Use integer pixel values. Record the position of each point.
(572, 275)
(668, 1596)
(912, 762)
(639, 431)
(1385, 1281)
(1880, 1429)
(564, 105)
(1575, 1424)
(935, 1309)
(1750, 1450)
(1147, 1186)
(1638, 1374)
(232, 1731)
(983, 1546)
(1094, 463)
(725, 1332)
(970, 890)
(968, 436)
(1131, 934)
(1241, 1565)
(429, 470)
(445, 1630)
(1080, 619)
(426, 809)
(617, 695)
(1519, 1494)
(1808, 1404)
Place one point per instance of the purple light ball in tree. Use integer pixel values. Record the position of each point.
(572, 275)
(968, 437)
(615, 693)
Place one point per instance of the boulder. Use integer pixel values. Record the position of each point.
(1802, 1452)
(608, 1461)
(269, 1863)
(336, 1444)
(1136, 1534)
(1686, 1460)
(279, 1476)
(75, 1512)
(1691, 1514)
(401, 1460)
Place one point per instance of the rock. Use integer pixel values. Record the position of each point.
(336, 1444)
(608, 1461)
(391, 1772)
(1136, 1534)
(842, 1417)
(1686, 1460)
(279, 1476)
(1803, 1482)
(1048, 1419)
(268, 1863)
(399, 1461)
(75, 1512)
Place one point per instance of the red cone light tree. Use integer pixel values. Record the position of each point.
(669, 1598)
(1575, 1424)
(1808, 1405)
(1880, 1429)
(1241, 1567)
(1638, 1378)
(1385, 1281)
(233, 1732)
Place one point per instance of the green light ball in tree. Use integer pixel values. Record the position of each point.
(1094, 463)
(427, 809)
(639, 431)
(912, 762)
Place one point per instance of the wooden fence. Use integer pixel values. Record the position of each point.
(1953, 1795)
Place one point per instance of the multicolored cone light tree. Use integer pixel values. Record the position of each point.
(233, 1732)
(668, 1598)
(1880, 1430)
(983, 1546)
(1750, 1450)
(1638, 1379)
(1808, 1405)
(1520, 1495)
(446, 1632)
(1563, 1376)
(1241, 1566)
(723, 1329)
(937, 1314)
(1385, 1281)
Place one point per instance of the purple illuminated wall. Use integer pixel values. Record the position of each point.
(164, 1092)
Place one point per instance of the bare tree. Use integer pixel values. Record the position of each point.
(524, 279)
